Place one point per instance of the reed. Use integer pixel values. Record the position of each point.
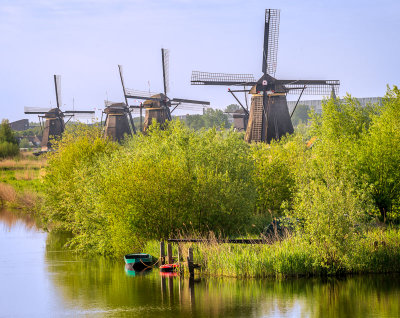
(376, 251)
(23, 163)
(7, 193)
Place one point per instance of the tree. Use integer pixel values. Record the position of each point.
(379, 154)
(211, 118)
(215, 118)
(8, 142)
(301, 115)
(232, 108)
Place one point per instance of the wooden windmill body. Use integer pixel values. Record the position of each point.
(269, 118)
(117, 123)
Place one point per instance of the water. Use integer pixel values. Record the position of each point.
(37, 279)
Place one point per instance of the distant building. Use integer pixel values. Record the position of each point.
(240, 120)
(317, 104)
(20, 125)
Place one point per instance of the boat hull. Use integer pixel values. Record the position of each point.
(138, 262)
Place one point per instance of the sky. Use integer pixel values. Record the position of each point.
(355, 42)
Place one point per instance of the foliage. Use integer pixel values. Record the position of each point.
(332, 177)
(24, 143)
(8, 142)
(276, 168)
(211, 118)
(379, 155)
(79, 149)
(153, 186)
(301, 115)
(231, 108)
(374, 251)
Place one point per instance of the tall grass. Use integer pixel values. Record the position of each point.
(7, 193)
(377, 251)
(20, 184)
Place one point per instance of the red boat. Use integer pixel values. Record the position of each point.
(169, 268)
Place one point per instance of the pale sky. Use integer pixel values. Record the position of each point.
(356, 42)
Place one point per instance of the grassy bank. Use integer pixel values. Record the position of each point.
(20, 181)
(375, 251)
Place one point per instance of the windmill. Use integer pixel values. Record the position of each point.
(159, 106)
(53, 118)
(269, 116)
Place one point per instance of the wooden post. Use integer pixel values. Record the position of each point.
(169, 253)
(180, 258)
(179, 253)
(190, 262)
(162, 252)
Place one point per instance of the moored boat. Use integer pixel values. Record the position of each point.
(138, 261)
(169, 268)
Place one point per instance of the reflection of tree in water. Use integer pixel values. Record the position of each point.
(12, 218)
(101, 284)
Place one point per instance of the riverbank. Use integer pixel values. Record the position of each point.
(374, 251)
(20, 181)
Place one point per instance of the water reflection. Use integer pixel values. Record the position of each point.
(102, 283)
(61, 283)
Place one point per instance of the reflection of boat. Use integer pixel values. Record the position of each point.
(131, 272)
(169, 274)
(138, 261)
(168, 268)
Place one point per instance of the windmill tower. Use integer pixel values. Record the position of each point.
(158, 106)
(54, 124)
(119, 121)
(269, 116)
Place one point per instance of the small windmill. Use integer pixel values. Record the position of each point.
(119, 121)
(53, 118)
(159, 106)
(269, 116)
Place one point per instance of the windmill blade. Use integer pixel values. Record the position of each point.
(165, 66)
(205, 78)
(109, 103)
(79, 112)
(189, 101)
(135, 94)
(184, 106)
(81, 115)
(311, 87)
(36, 110)
(57, 84)
(122, 83)
(271, 35)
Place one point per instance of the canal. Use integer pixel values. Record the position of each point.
(39, 279)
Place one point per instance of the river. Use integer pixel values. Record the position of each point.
(39, 279)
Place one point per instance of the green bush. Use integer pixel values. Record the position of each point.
(8, 149)
(169, 181)
(8, 142)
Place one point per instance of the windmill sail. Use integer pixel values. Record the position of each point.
(165, 66)
(206, 78)
(122, 83)
(57, 84)
(271, 35)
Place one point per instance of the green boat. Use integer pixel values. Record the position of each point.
(138, 261)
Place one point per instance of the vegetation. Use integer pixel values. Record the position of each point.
(8, 141)
(210, 118)
(301, 115)
(20, 181)
(336, 180)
